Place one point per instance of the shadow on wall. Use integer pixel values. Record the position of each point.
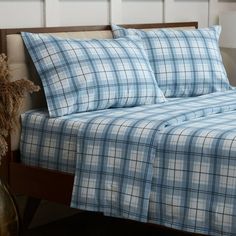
(229, 59)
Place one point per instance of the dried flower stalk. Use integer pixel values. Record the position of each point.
(11, 99)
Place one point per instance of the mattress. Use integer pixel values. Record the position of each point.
(172, 164)
(51, 142)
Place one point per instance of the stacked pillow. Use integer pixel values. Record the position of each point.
(136, 68)
(185, 62)
(86, 75)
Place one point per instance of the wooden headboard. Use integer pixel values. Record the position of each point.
(5, 32)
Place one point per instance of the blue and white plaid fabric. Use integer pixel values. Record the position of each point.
(166, 163)
(194, 178)
(84, 75)
(185, 62)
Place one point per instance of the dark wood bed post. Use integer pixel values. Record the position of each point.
(4, 167)
(5, 162)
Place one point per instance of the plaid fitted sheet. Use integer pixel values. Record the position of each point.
(172, 164)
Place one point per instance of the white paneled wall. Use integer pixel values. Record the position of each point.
(15, 13)
(218, 6)
(187, 10)
(148, 11)
(34, 13)
(83, 12)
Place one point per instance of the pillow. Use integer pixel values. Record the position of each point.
(86, 75)
(185, 62)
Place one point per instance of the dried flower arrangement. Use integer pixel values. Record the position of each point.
(11, 98)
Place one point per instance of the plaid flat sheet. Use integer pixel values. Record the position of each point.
(172, 164)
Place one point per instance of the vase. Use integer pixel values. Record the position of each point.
(9, 220)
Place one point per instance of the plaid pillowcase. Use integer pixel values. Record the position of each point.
(85, 75)
(185, 62)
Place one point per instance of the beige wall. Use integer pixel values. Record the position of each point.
(229, 58)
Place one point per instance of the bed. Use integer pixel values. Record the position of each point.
(170, 163)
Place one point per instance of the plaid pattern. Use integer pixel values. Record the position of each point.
(185, 62)
(164, 163)
(84, 75)
(194, 179)
(49, 142)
